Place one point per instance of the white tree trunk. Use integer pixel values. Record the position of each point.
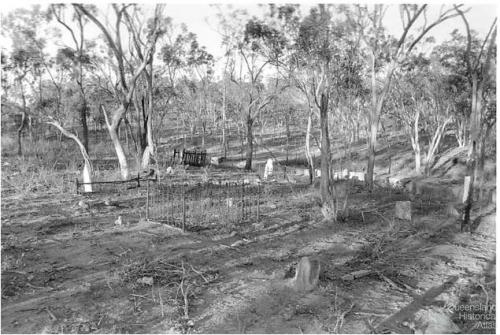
(87, 167)
(87, 177)
(120, 154)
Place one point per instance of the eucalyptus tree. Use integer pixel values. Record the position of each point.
(185, 61)
(254, 48)
(77, 57)
(480, 74)
(421, 100)
(324, 50)
(126, 83)
(387, 52)
(27, 61)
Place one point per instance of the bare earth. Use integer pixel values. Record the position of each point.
(68, 269)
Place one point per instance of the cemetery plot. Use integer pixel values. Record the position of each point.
(203, 205)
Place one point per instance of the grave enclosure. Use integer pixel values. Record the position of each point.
(202, 205)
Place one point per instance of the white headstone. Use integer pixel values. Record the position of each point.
(345, 173)
(268, 170)
(215, 160)
(394, 182)
(306, 172)
(318, 172)
(357, 175)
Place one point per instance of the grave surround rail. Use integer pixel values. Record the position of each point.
(193, 205)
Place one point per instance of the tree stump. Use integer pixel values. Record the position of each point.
(307, 274)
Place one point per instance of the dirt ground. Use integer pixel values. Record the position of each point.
(73, 270)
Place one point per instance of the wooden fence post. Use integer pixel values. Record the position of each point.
(76, 185)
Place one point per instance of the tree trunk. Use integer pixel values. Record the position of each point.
(415, 141)
(249, 154)
(113, 134)
(87, 167)
(308, 147)
(141, 122)
(83, 121)
(372, 142)
(481, 160)
(287, 121)
(149, 151)
(472, 155)
(120, 154)
(20, 133)
(326, 196)
(203, 129)
(224, 139)
(417, 160)
(21, 126)
(434, 145)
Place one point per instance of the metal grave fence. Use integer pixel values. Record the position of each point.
(199, 206)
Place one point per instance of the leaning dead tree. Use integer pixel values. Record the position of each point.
(88, 171)
(126, 84)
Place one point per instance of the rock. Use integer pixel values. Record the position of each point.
(403, 210)
(268, 170)
(241, 165)
(307, 274)
(317, 172)
(118, 221)
(306, 172)
(169, 170)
